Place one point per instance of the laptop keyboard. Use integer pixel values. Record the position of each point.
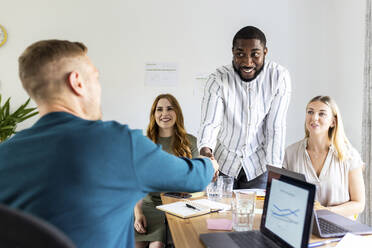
(251, 239)
(328, 227)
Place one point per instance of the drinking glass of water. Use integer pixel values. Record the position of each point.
(227, 184)
(214, 190)
(242, 210)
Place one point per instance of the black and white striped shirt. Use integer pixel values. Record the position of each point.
(245, 122)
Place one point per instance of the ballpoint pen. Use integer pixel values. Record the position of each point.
(191, 206)
(324, 242)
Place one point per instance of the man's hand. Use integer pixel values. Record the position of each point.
(140, 223)
(207, 152)
(216, 167)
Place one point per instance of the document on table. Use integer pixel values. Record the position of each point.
(260, 193)
(352, 240)
(212, 204)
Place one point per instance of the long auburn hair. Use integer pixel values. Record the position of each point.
(180, 143)
(336, 134)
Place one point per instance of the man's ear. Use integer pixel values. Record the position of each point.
(265, 51)
(75, 83)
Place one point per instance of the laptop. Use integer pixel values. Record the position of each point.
(327, 224)
(287, 173)
(286, 218)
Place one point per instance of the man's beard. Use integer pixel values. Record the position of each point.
(255, 75)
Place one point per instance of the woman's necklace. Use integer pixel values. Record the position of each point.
(317, 159)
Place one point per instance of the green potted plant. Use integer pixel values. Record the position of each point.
(9, 121)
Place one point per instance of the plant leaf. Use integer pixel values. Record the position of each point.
(9, 121)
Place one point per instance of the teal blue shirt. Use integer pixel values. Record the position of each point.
(85, 177)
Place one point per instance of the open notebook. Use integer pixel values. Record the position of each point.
(187, 209)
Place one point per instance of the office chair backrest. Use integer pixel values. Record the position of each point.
(19, 230)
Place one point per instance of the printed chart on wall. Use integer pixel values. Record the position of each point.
(161, 74)
(286, 211)
(200, 81)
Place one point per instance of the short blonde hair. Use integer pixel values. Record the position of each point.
(336, 134)
(37, 56)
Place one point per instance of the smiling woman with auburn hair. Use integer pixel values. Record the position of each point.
(166, 128)
(158, 127)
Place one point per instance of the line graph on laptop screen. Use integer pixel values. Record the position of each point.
(286, 211)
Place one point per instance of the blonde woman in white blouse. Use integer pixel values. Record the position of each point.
(328, 160)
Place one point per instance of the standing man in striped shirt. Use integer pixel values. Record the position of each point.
(244, 110)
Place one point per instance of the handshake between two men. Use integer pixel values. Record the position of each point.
(207, 152)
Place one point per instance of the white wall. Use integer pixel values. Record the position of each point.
(327, 58)
(321, 43)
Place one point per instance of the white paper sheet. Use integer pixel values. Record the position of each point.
(200, 81)
(259, 192)
(352, 240)
(212, 204)
(161, 74)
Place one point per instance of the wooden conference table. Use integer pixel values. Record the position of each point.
(185, 232)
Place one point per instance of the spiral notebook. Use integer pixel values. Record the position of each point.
(187, 209)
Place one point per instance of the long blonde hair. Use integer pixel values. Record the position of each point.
(180, 144)
(336, 134)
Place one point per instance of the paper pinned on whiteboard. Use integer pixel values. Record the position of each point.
(200, 81)
(161, 74)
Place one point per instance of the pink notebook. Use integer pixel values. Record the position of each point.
(219, 224)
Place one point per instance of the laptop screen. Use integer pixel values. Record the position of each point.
(288, 208)
(286, 211)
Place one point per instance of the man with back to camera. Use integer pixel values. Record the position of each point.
(244, 110)
(77, 172)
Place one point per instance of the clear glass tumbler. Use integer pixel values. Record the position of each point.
(214, 191)
(242, 211)
(227, 184)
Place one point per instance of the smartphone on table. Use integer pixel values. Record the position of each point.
(179, 195)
